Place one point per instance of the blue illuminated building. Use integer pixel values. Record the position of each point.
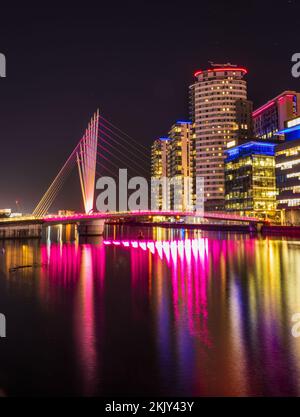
(288, 171)
(250, 148)
(184, 122)
(250, 184)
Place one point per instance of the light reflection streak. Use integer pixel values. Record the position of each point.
(220, 308)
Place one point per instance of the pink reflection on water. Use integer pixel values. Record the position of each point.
(151, 247)
(169, 250)
(143, 245)
(201, 301)
(159, 248)
(189, 279)
(82, 268)
(174, 252)
(166, 250)
(85, 320)
(175, 275)
(61, 263)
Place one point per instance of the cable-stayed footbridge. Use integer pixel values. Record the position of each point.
(103, 150)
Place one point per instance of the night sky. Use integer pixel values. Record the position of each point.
(134, 60)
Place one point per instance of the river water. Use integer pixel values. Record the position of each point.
(157, 312)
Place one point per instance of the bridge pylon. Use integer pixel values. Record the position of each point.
(86, 157)
(85, 153)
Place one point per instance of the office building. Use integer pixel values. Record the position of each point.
(213, 99)
(271, 117)
(250, 183)
(244, 122)
(288, 172)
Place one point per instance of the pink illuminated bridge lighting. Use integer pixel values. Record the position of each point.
(111, 215)
(165, 248)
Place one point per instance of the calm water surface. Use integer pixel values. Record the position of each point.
(175, 313)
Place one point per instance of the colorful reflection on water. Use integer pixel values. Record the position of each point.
(172, 313)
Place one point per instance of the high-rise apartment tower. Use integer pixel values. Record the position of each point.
(214, 98)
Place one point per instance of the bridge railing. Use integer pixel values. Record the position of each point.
(137, 213)
(150, 213)
(18, 219)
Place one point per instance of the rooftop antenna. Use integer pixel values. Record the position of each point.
(222, 65)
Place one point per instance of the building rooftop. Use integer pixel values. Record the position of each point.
(183, 122)
(271, 102)
(221, 69)
(250, 148)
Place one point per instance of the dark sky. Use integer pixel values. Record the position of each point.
(135, 61)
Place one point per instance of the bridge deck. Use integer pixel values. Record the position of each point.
(80, 217)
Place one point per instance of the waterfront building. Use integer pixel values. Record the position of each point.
(244, 122)
(181, 166)
(64, 213)
(288, 172)
(271, 117)
(5, 213)
(250, 183)
(159, 169)
(217, 111)
(173, 158)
